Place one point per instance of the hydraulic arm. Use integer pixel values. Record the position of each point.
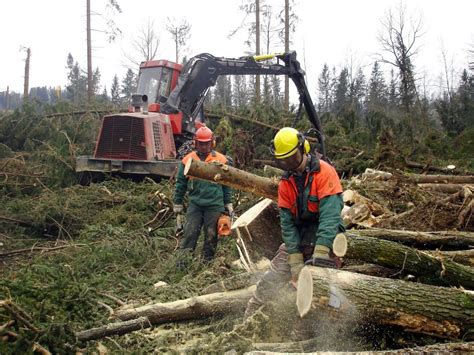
(202, 71)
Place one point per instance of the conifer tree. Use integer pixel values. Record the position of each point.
(376, 98)
(115, 92)
(129, 84)
(325, 88)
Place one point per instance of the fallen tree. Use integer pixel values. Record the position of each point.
(438, 239)
(191, 308)
(235, 178)
(428, 268)
(311, 344)
(444, 312)
(441, 179)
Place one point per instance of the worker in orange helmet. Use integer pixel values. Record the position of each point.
(310, 204)
(207, 200)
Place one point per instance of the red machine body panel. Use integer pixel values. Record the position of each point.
(135, 136)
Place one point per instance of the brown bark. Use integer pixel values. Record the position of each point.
(442, 179)
(117, 328)
(419, 308)
(312, 344)
(465, 257)
(445, 188)
(235, 178)
(421, 239)
(407, 260)
(190, 308)
(427, 167)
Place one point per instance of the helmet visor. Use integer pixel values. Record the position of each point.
(290, 163)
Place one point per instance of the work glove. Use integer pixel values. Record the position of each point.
(177, 209)
(229, 208)
(322, 258)
(296, 265)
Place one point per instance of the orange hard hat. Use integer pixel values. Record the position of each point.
(204, 134)
(224, 225)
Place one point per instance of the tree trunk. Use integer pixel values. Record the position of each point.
(421, 239)
(117, 328)
(445, 312)
(287, 49)
(235, 178)
(26, 84)
(257, 47)
(90, 89)
(465, 257)
(311, 344)
(442, 179)
(445, 188)
(407, 260)
(191, 308)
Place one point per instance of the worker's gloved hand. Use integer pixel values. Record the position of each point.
(229, 208)
(322, 258)
(296, 265)
(177, 209)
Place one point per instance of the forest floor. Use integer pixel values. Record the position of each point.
(70, 256)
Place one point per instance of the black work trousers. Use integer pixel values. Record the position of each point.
(196, 218)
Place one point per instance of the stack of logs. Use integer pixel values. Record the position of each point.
(390, 277)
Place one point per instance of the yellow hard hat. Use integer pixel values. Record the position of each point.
(287, 141)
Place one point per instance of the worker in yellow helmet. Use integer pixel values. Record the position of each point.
(310, 203)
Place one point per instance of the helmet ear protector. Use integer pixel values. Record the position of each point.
(213, 142)
(302, 142)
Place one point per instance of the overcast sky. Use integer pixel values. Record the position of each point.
(331, 31)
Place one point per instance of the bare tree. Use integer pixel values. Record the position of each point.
(89, 53)
(399, 39)
(253, 27)
(180, 34)
(448, 73)
(112, 31)
(146, 44)
(26, 83)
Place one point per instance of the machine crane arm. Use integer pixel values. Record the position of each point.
(202, 71)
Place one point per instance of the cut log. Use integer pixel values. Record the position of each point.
(191, 308)
(465, 257)
(442, 179)
(428, 167)
(372, 174)
(259, 228)
(445, 188)
(419, 308)
(117, 328)
(427, 268)
(421, 239)
(235, 178)
(312, 344)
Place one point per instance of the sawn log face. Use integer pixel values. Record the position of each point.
(445, 312)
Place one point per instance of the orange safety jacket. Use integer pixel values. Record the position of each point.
(318, 206)
(203, 193)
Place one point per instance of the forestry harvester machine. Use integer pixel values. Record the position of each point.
(168, 109)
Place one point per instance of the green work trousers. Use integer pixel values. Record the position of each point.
(196, 218)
